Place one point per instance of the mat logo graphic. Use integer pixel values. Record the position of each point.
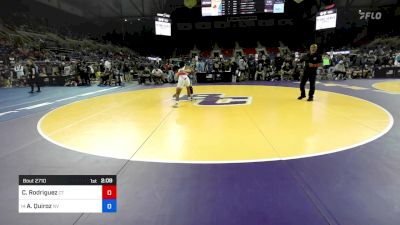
(220, 100)
(368, 15)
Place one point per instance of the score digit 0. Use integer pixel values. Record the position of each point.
(109, 192)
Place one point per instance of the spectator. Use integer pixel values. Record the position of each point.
(145, 74)
(126, 72)
(234, 71)
(252, 64)
(105, 78)
(67, 70)
(107, 65)
(340, 71)
(286, 71)
(242, 69)
(297, 71)
(19, 70)
(397, 60)
(278, 61)
(157, 75)
(260, 71)
(117, 75)
(90, 69)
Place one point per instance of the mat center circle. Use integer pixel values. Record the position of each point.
(240, 123)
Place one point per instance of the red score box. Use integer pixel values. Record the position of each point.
(109, 191)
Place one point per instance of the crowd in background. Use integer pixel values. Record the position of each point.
(85, 65)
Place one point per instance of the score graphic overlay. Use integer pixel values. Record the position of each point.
(326, 19)
(163, 24)
(67, 194)
(240, 7)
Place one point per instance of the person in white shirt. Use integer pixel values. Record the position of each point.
(340, 71)
(397, 60)
(19, 70)
(107, 65)
(91, 71)
(157, 75)
(67, 70)
(242, 68)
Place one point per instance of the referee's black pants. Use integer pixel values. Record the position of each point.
(308, 77)
(32, 82)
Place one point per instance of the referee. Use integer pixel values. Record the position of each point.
(312, 62)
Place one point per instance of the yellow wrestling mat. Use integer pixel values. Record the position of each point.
(389, 86)
(224, 124)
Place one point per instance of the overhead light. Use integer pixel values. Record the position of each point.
(125, 20)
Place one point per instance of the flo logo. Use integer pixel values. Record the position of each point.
(219, 100)
(370, 15)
